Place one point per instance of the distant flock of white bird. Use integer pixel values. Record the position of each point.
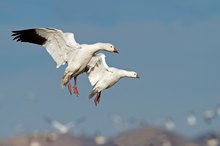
(168, 123)
(192, 118)
(80, 58)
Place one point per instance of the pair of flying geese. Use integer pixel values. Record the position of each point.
(79, 58)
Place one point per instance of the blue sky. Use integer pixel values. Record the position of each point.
(173, 45)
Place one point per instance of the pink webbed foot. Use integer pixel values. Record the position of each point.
(75, 90)
(69, 88)
(97, 99)
(69, 85)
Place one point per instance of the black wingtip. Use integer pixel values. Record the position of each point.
(28, 35)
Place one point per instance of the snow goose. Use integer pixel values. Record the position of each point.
(64, 128)
(64, 50)
(102, 77)
(191, 119)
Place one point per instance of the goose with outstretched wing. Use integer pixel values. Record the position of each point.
(102, 77)
(64, 128)
(64, 50)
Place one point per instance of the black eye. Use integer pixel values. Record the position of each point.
(111, 46)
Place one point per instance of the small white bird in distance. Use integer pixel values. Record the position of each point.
(64, 49)
(169, 124)
(102, 77)
(209, 115)
(191, 119)
(63, 128)
(100, 140)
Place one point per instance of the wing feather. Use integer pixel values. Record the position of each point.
(97, 68)
(57, 43)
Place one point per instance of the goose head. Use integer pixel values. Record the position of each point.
(108, 47)
(132, 74)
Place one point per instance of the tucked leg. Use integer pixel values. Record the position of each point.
(75, 90)
(97, 99)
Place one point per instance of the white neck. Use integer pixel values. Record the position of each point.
(125, 73)
(98, 46)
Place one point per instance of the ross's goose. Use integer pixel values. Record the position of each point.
(102, 77)
(64, 50)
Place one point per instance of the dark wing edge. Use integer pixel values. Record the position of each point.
(28, 35)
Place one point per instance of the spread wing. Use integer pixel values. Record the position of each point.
(54, 123)
(97, 68)
(59, 45)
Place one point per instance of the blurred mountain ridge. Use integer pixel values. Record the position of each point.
(149, 136)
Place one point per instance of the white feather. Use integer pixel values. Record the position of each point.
(102, 77)
(59, 44)
(97, 68)
(63, 48)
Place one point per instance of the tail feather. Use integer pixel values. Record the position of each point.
(95, 90)
(92, 93)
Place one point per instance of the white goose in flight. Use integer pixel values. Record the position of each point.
(64, 128)
(102, 77)
(64, 50)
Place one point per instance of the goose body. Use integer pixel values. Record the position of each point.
(64, 49)
(102, 77)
